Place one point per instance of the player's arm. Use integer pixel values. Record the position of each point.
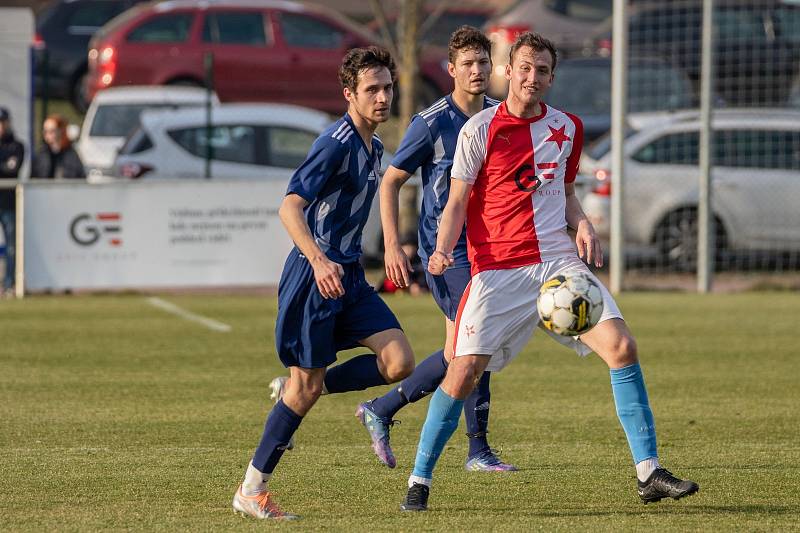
(396, 262)
(327, 273)
(586, 240)
(324, 158)
(450, 227)
(416, 148)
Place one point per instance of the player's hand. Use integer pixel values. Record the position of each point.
(588, 244)
(440, 261)
(328, 276)
(398, 266)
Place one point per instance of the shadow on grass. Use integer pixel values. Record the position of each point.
(662, 509)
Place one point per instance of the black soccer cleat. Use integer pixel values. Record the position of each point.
(662, 484)
(416, 499)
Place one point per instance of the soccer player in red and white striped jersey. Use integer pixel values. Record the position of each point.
(513, 182)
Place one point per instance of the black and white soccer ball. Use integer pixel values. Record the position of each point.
(570, 304)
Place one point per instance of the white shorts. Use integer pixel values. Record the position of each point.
(498, 310)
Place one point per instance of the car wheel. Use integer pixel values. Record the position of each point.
(676, 240)
(78, 94)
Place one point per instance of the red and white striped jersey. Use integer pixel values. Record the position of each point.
(518, 168)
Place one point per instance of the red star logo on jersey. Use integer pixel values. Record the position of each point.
(558, 136)
(469, 330)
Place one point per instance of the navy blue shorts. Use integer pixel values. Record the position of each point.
(311, 329)
(448, 288)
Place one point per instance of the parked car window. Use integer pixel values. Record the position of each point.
(118, 120)
(288, 147)
(767, 149)
(582, 89)
(595, 10)
(138, 142)
(739, 25)
(309, 32)
(173, 28)
(673, 149)
(787, 20)
(235, 28)
(94, 14)
(236, 144)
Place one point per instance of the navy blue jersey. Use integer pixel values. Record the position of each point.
(430, 143)
(338, 179)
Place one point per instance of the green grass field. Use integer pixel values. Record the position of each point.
(117, 415)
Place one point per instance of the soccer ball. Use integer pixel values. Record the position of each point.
(570, 304)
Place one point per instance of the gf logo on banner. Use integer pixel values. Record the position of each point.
(86, 229)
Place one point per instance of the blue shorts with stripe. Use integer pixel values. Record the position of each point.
(310, 329)
(448, 288)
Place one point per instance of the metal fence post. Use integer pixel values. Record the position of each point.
(705, 230)
(208, 67)
(619, 100)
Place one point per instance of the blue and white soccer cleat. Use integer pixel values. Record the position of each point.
(278, 387)
(378, 429)
(487, 461)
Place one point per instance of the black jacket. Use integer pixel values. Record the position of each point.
(12, 155)
(64, 164)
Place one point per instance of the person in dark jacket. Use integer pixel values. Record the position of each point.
(56, 158)
(12, 155)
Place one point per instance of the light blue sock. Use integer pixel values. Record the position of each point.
(441, 422)
(633, 410)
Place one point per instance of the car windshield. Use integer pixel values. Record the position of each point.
(118, 120)
(601, 146)
(586, 89)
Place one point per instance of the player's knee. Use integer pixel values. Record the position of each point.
(624, 351)
(400, 366)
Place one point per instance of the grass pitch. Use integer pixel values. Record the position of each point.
(117, 415)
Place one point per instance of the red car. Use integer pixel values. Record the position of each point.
(263, 50)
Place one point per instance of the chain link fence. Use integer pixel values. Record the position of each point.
(754, 149)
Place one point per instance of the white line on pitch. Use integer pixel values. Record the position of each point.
(210, 323)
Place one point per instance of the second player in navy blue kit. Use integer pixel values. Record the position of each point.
(324, 302)
(429, 144)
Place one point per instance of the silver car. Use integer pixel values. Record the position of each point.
(755, 183)
(247, 141)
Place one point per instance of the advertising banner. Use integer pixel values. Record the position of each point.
(153, 234)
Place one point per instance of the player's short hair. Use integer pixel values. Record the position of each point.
(535, 41)
(358, 60)
(467, 37)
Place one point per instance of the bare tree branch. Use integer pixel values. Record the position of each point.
(386, 35)
(431, 19)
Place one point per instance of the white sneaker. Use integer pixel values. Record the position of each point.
(278, 387)
(261, 506)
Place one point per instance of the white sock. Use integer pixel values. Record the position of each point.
(255, 482)
(421, 480)
(646, 467)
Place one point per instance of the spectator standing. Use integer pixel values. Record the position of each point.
(12, 155)
(56, 158)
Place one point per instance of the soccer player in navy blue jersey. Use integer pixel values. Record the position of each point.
(324, 302)
(429, 144)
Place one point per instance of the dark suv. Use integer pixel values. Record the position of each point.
(757, 51)
(63, 30)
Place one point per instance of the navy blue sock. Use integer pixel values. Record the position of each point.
(281, 424)
(359, 373)
(423, 381)
(476, 414)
